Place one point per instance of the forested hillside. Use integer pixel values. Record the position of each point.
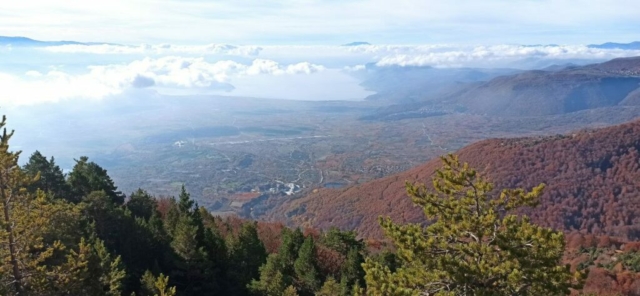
(592, 177)
(76, 234)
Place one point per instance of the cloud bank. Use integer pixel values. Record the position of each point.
(166, 72)
(80, 71)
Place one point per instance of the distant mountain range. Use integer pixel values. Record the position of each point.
(613, 45)
(18, 41)
(356, 43)
(554, 90)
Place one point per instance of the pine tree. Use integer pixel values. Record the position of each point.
(246, 255)
(141, 204)
(306, 269)
(351, 271)
(291, 241)
(272, 281)
(290, 291)
(87, 177)
(330, 288)
(51, 178)
(474, 246)
(156, 286)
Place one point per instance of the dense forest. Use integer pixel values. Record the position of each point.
(592, 177)
(77, 234)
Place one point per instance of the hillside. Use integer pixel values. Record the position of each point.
(535, 93)
(592, 177)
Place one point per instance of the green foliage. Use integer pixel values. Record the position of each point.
(473, 246)
(630, 261)
(246, 255)
(50, 178)
(272, 281)
(342, 241)
(306, 268)
(352, 272)
(87, 177)
(156, 286)
(141, 204)
(330, 288)
(290, 291)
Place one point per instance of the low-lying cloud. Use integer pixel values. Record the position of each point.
(167, 72)
(96, 71)
(161, 49)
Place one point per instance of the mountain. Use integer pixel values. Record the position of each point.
(357, 43)
(539, 93)
(592, 177)
(28, 42)
(613, 45)
(554, 90)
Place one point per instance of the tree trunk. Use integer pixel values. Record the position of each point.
(17, 275)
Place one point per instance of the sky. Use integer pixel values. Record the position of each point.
(289, 49)
(329, 22)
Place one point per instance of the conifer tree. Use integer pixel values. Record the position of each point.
(141, 204)
(475, 245)
(246, 255)
(272, 281)
(290, 291)
(330, 288)
(51, 178)
(156, 286)
(87, 177)
(306, 269)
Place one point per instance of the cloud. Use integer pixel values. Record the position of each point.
(496, 56)
(167, 72)
(161, 49)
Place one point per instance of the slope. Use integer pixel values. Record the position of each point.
(535, 93)
(593, 180)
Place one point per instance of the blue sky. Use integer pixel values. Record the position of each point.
(268, 22)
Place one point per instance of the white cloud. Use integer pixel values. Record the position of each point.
(166, 72)
(162, 49)
(496, 56)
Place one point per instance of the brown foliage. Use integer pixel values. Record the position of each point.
(592, 177)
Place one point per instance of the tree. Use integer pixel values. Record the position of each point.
(306, 267)
(156, 286)
(51, 178)
(474, 245)
(351, 271)
(141, 204)
(330, 288)
(89, 270)
(246, 255)
(87, 177)
(272, 281)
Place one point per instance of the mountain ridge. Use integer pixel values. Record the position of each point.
(592, 178)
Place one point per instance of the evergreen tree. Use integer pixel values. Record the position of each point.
(189, 272)
(291, 241)
(51, 178)
(474, 246)
(352, 272)
(141, 204)
(156, 286)
(246, 255)
(307, 274)
(272, 281)
(87, 177)
(290, 291)
(330, 288)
